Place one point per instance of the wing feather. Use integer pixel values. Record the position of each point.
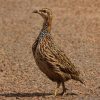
(56, 57)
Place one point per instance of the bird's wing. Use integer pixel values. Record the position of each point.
(56, 57)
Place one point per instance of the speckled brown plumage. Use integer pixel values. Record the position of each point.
(51, 60)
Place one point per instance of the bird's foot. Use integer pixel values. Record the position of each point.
(64, 90)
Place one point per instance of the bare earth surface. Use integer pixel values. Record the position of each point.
(75, 28)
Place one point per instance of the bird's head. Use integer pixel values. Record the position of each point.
(45, 13)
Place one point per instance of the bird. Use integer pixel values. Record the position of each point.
(50, 59)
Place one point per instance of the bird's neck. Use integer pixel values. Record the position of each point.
(46, 29)
(46, 26)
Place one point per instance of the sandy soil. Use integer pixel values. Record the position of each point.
(75, 28)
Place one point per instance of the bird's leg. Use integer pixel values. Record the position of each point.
(56, 90)
(64, 89)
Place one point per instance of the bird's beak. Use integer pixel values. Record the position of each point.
(39, 12)
(35, 11)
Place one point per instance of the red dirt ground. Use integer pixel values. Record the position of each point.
(75, 28)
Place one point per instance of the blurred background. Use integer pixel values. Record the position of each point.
(75, 29)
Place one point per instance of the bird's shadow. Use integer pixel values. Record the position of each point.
(24, 94)
(71, 94)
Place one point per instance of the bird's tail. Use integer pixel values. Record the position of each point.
(77, 78)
